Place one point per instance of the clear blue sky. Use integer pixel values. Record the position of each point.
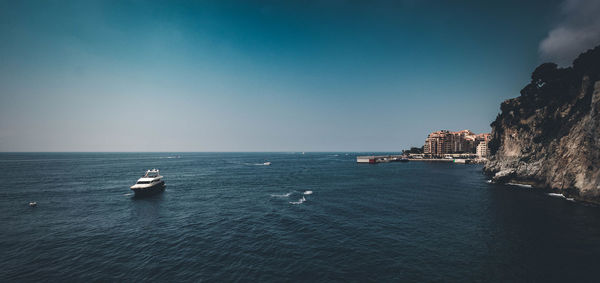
(261, 75)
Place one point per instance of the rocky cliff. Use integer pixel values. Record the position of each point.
(549, 137)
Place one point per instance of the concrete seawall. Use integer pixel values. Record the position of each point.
(374, 159)
(433, 159)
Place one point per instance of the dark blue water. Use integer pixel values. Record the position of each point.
(224, 218)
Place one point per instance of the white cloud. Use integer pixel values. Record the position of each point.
(578, 31)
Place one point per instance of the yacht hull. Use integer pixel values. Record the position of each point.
(157, 188)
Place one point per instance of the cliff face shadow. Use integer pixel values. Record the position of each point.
(549, 137)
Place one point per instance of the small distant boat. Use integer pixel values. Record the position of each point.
(267, 163)
(404, 159)
(150, 183)
(33, 204)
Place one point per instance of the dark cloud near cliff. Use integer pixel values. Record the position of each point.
(578, 31)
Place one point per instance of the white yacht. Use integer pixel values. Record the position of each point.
(152, 182)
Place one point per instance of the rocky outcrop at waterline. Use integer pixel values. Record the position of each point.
(549, 137)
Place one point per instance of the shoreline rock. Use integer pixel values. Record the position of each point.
(549, 137)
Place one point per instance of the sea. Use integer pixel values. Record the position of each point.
(313, 217)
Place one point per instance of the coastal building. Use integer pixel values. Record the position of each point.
(483, 151)
(444, 142)
(437, 143)
(461, 141)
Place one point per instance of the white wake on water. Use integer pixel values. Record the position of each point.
(281, 196)
(519, 185)
(300, 201)
(561, 196)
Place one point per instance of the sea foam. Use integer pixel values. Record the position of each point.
(519, 185)
(300, 201)
(557, 195)
(281, 196)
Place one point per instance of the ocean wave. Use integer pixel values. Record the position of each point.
(556, 195)
(129, 194)
(300, 201)
(170, 157)
(519, 185)
(258, 164)
(282, 196)
(308, 192)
